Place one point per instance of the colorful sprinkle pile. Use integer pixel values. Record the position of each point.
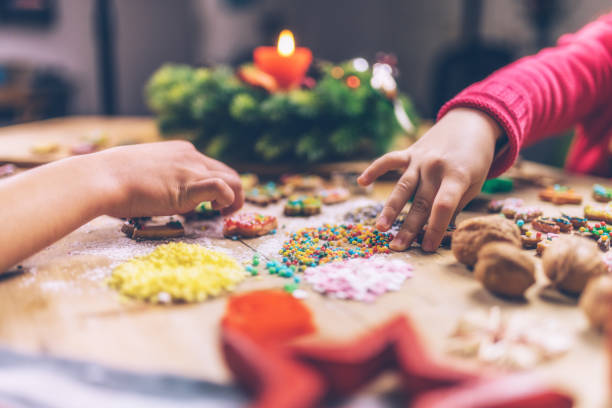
(177, 272)
(273, 268)
(359, 279)
(317, 246)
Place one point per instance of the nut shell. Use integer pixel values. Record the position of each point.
(471, 235)
(571, 261)
(596, 301)
(504, 269)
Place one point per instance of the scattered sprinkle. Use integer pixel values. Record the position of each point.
(177, 272)
(317, 246)
(359, 279)
(300, 294)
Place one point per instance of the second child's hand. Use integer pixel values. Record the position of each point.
(443, 171)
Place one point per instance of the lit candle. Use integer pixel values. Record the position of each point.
(286, 63)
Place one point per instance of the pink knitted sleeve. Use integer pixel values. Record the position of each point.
(545, 93)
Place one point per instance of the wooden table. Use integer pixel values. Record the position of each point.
(17, 142)
(61, 306)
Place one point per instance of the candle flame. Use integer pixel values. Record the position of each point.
(286, 43)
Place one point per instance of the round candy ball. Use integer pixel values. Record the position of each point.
(471, 235)
(571, 261)
(504, 269)
(596, 301)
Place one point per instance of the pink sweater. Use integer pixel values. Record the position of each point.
(559, 87)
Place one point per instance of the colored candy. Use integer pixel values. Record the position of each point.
(177, 272)
(359, 279)
(317, 246)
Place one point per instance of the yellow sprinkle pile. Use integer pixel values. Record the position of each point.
(177, 272)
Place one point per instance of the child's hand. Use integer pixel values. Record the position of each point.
(164, 179)
(444, 170)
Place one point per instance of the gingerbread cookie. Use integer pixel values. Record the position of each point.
(542, 246)
(545, 224)
(576, 222)
(364, 215)
(334, 195)
(527, 214)
(349, 181)
(203, 211)
(249, 225)
(596, 231)
(584, 232)
(145, 228)
(564, 224)
(264, 194)
(601, 194)
(560, 195)
(302, 205)
(300, 182)
(248, 181)
(368, 214)
(531, 239)
(598, 214)
(604, 243)
(496, 206)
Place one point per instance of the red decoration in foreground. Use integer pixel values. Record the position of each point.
(303, 375)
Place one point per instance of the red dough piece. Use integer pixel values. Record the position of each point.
(302, 375)
(513, 391)
(395, 345)
(249, 225)
(276, 380)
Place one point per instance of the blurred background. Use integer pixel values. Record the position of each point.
(82, 57)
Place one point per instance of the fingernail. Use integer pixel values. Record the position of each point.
(399, 243)
(428, 246)
(383, 222)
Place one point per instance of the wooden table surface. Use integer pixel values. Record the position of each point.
(61, 306)
(17, 142)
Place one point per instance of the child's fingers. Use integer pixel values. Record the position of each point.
(444, 206)
(403, 190)
(234, 183)
(416, 217)
(213, 189)
(388, 162)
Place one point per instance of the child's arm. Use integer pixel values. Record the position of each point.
(546, 93)
(42, 205)
(527, 100)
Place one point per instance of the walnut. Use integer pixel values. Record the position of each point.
(472, 234)
(596, 301)
(504, 269)
(571, 261)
